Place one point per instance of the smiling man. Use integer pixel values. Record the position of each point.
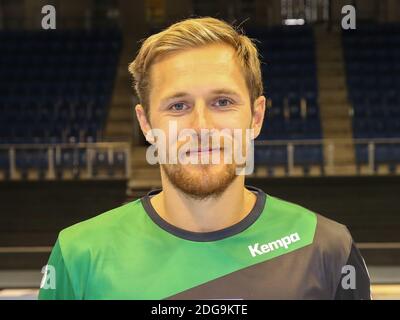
(205, 234)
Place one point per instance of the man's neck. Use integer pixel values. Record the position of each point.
(206, 215)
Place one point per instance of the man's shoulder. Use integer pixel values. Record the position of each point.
(332, 230)
(288, 212)
(333, 239)
(99, 229)
(329, 234)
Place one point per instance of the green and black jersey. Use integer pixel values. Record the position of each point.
(280, 250)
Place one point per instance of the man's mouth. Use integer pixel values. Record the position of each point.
(203, 150)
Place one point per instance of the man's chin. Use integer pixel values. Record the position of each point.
(200, 181)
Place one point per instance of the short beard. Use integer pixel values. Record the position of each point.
(202, 185)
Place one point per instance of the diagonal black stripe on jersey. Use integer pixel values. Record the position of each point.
(312, 272)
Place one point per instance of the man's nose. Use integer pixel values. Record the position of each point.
(202, 117)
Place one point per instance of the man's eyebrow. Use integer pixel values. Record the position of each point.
(175, 95)
(181, 94)
(225, 91)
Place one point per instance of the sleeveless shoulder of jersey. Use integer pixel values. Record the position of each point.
(101, 225)
(288, 209)
(80, 247)
(333, 245)
(82, 240)
(329, 235)
(330, 248)
(333, 237)
(284, 215)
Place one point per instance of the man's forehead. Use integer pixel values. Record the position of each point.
(216, 57)
(215, 62)
(210, 53)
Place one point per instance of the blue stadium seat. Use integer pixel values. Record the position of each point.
(64, 73)
(373, 87)
(290, 76)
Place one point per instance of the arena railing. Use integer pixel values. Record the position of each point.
(366, 155)
(105, 160)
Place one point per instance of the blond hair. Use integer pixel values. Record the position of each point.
(191, 33)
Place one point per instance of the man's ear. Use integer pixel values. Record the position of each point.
(258, 115)
(144, 123)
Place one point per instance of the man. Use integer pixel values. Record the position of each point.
(204, 235)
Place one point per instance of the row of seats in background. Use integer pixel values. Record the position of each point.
(372, 60)
(55, 87)
(54, 84)
(68, 79)
(290, 81)
(53, 121)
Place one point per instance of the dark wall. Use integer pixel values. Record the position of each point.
(32, 213)
(368, 205)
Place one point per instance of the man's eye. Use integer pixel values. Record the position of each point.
(223, 102)
(180, 106)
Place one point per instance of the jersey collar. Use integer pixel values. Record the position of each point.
(212, 235)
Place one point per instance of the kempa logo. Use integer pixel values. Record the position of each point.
(284, 242)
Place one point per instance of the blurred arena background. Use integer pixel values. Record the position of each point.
(70, 147)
